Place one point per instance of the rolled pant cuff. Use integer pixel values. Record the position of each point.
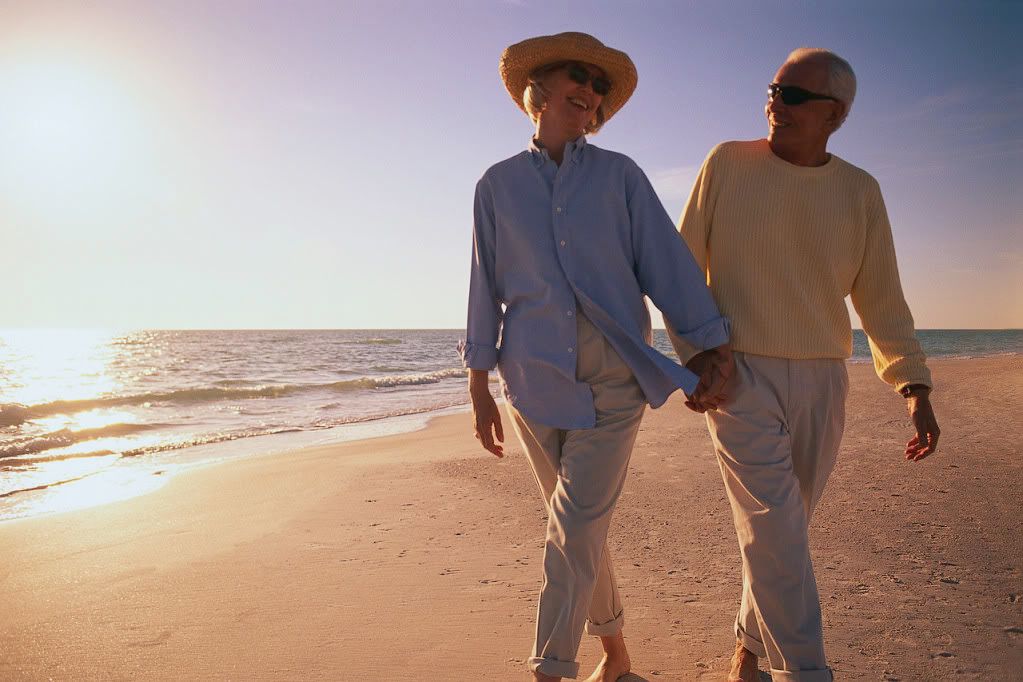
(822, 675)
(608, 629)
(554, 667)
(752, 644)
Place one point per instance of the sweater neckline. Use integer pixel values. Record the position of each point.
(803, 171)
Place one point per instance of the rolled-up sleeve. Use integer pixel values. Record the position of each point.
(479, 349)
(668, 273)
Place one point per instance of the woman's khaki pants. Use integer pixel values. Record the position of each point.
(777, 440)
(581, 473)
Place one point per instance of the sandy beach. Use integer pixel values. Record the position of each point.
(417, 557)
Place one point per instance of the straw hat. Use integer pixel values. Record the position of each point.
(521, 59)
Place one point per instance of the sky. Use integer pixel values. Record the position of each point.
(304, 164)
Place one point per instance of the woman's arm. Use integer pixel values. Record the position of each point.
(668, 273)
(479, 350)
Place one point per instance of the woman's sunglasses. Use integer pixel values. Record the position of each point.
(581, 75)
(791, 95)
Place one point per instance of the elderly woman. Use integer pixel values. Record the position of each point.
(567, 240)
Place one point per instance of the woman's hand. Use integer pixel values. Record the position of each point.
(716, 368)
(485, 415)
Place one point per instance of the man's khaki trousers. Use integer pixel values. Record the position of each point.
(580, 474)
(777, 440)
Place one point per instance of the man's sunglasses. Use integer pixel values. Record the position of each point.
(791, 95)
(581, 75)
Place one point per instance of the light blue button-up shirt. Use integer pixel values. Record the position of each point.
(590, 232)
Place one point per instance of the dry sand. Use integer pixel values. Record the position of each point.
(417, 557)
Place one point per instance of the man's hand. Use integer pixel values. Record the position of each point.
(716, 368)
(921, 413)
(485, 415)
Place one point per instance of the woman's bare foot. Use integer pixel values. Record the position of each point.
(616, 660)
(744, 665)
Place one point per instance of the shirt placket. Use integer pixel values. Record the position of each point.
(563, 239)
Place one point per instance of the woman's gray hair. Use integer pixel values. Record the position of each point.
(534, 98)
(841, 78)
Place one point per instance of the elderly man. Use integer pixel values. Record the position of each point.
(785, 231)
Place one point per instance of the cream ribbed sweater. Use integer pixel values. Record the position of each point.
(783, 245)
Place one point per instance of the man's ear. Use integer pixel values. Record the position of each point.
(838, 110)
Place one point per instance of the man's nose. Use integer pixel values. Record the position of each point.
(775, 103)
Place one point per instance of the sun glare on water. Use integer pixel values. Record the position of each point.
(41, 372)
(46, 365)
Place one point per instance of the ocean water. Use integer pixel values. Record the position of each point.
(111, 413)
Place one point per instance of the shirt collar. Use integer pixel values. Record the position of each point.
(573, 150)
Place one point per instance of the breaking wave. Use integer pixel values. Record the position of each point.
(13, 414)
(21, 449)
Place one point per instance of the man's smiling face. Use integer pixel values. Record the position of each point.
(809, 122)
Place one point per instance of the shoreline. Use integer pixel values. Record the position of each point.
(80, 476)
(67, 496)
(70, 495)
(368, 559)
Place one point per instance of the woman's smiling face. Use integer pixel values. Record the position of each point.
(570, 105)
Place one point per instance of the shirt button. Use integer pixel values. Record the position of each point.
(570, 313)
(558, 209)
(563, 242)
(571, 350)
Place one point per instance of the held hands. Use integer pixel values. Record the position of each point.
(485, 415)
(716, 368)
(925, 442)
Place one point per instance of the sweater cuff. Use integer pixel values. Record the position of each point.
(477, 356)
(910, 382)
(902, 374)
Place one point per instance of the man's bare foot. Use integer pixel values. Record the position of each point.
(744, 666)
(616, 660)
(610, 669)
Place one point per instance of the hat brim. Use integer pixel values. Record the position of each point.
(521, 59)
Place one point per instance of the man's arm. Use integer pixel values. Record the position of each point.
(878, 299)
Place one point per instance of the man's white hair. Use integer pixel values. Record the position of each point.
(841, 78)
